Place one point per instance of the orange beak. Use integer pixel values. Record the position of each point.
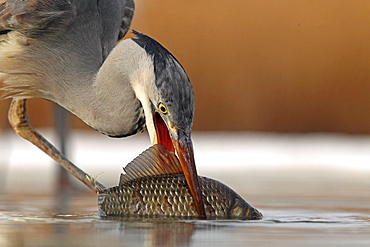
(182, 144)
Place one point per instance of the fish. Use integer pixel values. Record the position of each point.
(153, 186)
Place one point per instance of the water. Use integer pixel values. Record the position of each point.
(313, 191)
(288, 221)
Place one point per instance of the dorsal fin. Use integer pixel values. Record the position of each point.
(156, 160)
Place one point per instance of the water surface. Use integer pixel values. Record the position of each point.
(312, 190)
(35, 221)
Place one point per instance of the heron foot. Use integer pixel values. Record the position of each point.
(94, 182)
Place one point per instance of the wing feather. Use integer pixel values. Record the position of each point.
(48, 47)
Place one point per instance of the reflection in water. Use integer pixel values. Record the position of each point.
(34, 228)
(170, 234)
(26, 222)
(145, 232)
(151, 233)
(321, 207)
(310, 195)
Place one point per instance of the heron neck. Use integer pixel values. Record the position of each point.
(110, 104)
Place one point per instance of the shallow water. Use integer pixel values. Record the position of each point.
(313, 191)
(34, 221)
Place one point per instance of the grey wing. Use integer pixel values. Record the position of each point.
(36, 34)
(38, 15)
(114, 30)
(128, 13)
(35, 17)
(24, 27)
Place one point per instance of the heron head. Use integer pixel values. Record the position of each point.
(167, 97)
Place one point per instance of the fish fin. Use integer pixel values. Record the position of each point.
(156, 160)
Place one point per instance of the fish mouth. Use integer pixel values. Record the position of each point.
(180, 142)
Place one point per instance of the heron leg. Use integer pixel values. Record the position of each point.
(19, 121)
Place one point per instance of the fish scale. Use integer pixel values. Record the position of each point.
(169, 196)
(154, 187)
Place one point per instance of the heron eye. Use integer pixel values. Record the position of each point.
(162, 108)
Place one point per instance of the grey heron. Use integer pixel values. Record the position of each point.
(65, 51)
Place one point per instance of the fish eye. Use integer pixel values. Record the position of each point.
(162, 108)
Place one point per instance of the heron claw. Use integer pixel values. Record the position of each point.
(93, 181)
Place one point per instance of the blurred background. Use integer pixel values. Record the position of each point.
(282, 116)
(260, 65)
(277, 84)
